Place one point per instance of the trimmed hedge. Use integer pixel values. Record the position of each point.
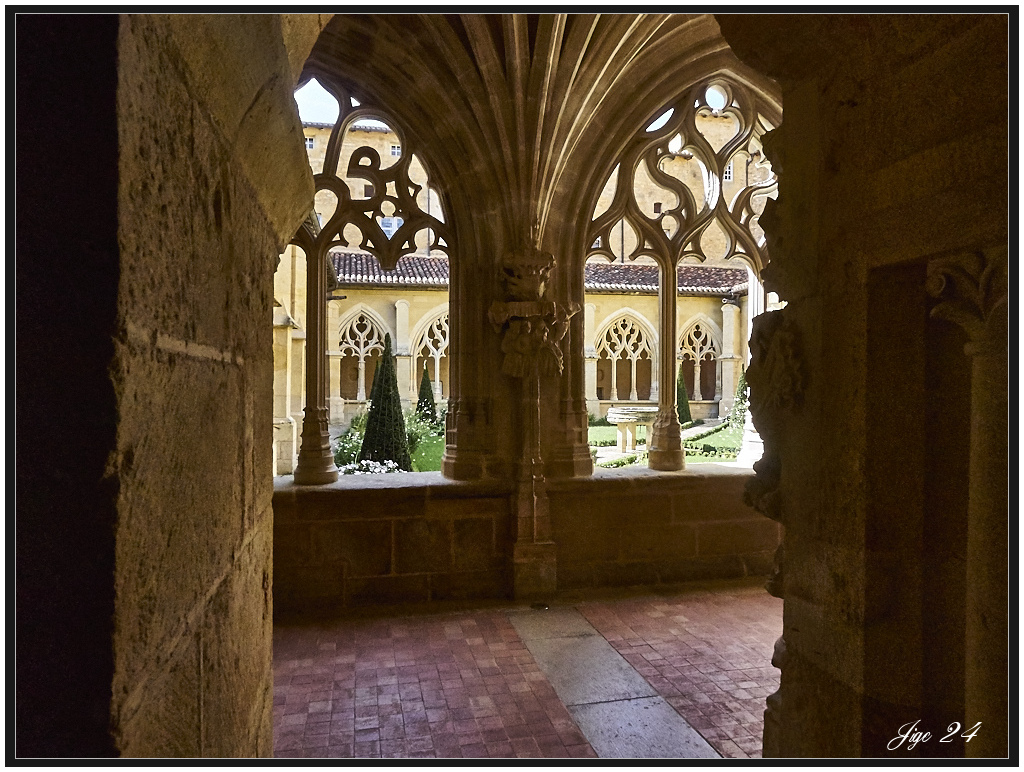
(425, 405)
(385, 438)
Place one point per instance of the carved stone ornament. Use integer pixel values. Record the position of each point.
(532, 327)
(761, 493)
(775, 373)
(970, 287)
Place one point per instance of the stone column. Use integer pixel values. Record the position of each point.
(531, 328)
(335, 402)
(361, 380)
(632, 380)
(614, 388)
(590, 359)
(655, 392)
(316, 462)
(729, 360)
(666, 447)
(403, 360)
(972, 290)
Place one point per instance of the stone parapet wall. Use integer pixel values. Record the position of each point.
(362, 542)
(638, 527)
(372, 540)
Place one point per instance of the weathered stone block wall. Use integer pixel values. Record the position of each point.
(623, 528)
(144, 371)
(891, 154)
(368, 541)
(207, 131)
(359, 543)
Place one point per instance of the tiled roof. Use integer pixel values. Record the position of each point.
(693, 279)
(361, 269)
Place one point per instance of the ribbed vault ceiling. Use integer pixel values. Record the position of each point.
(536, 104)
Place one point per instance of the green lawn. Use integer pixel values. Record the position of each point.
(730, 438)
(427, 457)
(606, 435)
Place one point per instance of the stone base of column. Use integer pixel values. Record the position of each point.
(534, 570)
(665, 446)
(666, 460)
(337, 410)
(316, 461)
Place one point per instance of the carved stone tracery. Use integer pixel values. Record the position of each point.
(393, 194)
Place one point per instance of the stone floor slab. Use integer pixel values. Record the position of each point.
(556, 622)
(646, 728)
(587, 669)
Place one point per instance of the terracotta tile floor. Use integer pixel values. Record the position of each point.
(707, 652)
(462, 684)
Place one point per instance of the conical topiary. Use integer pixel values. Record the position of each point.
(425, 405)
(739, 405)
(682, 398)
(385, 438)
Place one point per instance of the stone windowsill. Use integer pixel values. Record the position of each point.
(629, 477)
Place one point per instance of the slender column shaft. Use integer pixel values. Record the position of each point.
(316, 462)
(632, 376)
(666, 448)
(361, 380)
(987, 568)
(615, 379)
(654, 376)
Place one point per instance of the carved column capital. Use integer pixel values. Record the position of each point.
(971, 289)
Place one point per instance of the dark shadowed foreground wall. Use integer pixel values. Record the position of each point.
(891, 468)
(147, 240)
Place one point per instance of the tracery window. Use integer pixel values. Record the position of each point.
(431, 348)
(680, 160)
(362, 339)
(372, 192)
(699, 354)
(628, 354)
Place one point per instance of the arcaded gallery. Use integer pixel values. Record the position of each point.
(504, 386)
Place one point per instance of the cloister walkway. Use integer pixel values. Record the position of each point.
(624, 675)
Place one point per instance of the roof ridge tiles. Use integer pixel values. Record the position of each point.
(359, 268)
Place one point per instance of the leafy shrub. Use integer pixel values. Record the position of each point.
(738, 414)
(593, 420)
(370, 467)
(417, 429)
(442, 419)
(346, 447)
(626, 460)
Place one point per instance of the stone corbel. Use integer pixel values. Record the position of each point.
(971, 287)
(532, 328)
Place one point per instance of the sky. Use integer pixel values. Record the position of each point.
(318, 106)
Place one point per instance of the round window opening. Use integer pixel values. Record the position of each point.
(716, 97)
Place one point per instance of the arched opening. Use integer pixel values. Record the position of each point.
(379, 225)
(686, 195)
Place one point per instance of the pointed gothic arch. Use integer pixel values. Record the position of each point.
(360, 342)
(626, 347)
(430, 344)
(699, 347)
